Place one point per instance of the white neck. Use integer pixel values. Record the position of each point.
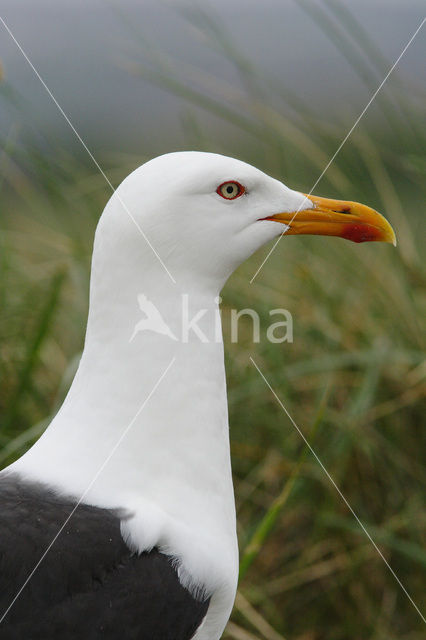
(164, 401)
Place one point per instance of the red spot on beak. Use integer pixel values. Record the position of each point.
(361, 233)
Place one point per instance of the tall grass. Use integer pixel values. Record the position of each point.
(353, 379)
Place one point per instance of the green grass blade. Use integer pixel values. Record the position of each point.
(268, 521)
(35, 343)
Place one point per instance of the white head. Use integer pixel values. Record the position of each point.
(200, 235)
(204, 214)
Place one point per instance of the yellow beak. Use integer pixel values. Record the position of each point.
(341, 218)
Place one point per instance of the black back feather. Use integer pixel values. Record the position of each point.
(89, 585)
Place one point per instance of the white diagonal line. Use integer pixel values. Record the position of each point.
(343, 142)
(300, 432)
(92, 157)
(92, 482)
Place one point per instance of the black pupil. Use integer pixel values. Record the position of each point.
(230, 189)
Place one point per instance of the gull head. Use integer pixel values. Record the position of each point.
(199, 215)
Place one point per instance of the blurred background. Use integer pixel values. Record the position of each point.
(277, 84)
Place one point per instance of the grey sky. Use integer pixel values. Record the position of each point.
(80, 47)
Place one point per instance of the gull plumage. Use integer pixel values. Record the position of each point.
(169, 479)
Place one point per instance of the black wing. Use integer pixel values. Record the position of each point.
(89, 585)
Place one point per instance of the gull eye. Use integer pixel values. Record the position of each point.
(230, 190)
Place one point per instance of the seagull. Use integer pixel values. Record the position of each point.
(119, 522)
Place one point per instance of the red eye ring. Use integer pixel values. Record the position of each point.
(230, 190)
